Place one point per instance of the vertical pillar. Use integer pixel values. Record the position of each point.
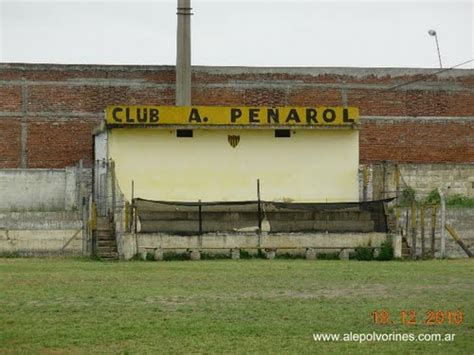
(365, 182)
(413, 231)
(443, 223)
(433, 230)
(183, 54)
(422, 225)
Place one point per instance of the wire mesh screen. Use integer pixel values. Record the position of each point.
(187, 218)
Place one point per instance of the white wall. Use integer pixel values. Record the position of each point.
(38, 189)
(312, 165)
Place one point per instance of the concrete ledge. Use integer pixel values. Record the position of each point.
(251, 241)
(40, 242)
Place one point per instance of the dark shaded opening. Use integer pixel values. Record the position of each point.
(282, 133)
(184, 133)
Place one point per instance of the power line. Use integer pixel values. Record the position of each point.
(421, 79)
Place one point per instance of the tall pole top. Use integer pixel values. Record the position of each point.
(183, 54)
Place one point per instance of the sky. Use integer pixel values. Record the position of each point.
(240, 33)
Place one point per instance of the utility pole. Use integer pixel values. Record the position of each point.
(183, 54)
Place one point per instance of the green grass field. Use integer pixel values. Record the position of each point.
(225, 306)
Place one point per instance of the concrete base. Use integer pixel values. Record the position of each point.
(159, 254)
(397, 246)
(235, 254)
(310, 254)
(143, 255)
(243, 241)
(270, 254)
(195, 255)
(344, 254)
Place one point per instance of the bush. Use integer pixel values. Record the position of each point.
(328, 256)
(433, 197)
(460, 201)
(386, 250)
(364, 253)
(408, 197)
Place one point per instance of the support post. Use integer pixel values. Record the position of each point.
(200, 223)
(443, 223)
(259, 208)
(365, 182)
(112, 178)
(406, 224)
(397, 180)
(433, 230)
(458, 240)
(134, 216)
(397, 220)
(413, 231)
(422, 225)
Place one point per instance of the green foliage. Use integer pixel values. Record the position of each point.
(386, 250)
(244, 254)
(150, 257)
(407, 197)
(328, 256)
(433, 197)
(364, 253)
(10, 254)
(171, 255)
(458, 200)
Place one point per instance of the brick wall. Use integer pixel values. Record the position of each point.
(47, 112)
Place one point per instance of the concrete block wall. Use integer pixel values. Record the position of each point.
(461, 219)
(43, 189)
(423, 178)
(47, 112)
(41, 233)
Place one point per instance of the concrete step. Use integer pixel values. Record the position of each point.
(106, 250)
(103, 233)
(103, 223)
(106, 243)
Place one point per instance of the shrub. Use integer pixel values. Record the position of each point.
(386, 250)
(328, 256)
(364, 253)
(408, 197)
(433, 197)
(460, 201)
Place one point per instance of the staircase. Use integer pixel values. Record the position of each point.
(406, 250)
(105, 237)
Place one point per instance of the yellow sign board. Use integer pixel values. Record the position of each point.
(231, 116)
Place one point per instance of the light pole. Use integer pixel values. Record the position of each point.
(432, 33)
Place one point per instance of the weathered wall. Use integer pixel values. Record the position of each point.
(43, 189)
(461, 219)
(41, 233)
(423, 178)
(128, 242)
(47, 112)
(206, 167)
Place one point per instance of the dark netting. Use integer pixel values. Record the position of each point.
(187, 218)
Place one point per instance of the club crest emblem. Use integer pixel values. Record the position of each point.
(233, 140)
